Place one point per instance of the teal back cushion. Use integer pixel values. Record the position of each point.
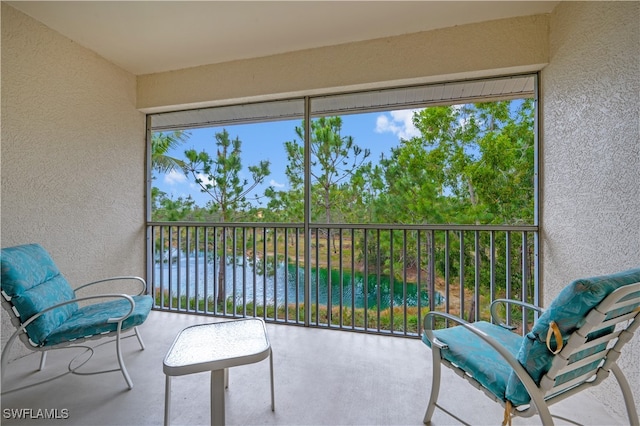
(33, 282)
(568, 310)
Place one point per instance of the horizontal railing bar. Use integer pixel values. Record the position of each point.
(393, 226)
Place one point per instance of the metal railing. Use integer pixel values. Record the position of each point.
(360, 277)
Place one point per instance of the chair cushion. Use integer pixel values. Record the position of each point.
(92, 319)
(485, 364)
(568, 310)
(33, 282)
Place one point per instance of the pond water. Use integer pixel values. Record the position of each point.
(285, 285)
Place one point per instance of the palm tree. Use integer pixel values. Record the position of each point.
(161, 143)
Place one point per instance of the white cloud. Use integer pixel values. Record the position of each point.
(174, 177)
(275, 184)
(205, 181)
(400, 123)
(463, 120)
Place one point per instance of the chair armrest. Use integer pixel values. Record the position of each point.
(428, 326)
(494, 313)
(142, 282)
(520, 371)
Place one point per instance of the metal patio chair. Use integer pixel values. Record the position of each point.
(572, 346)
(45, 309)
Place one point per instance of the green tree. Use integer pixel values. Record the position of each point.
(168, 209)
(161, 162)
(409, 193)
(161, 144)
(219, 176)
(483, 155)
(334, 160)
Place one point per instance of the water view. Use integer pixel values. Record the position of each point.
(190, 275)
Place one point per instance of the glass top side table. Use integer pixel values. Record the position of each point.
(216, 347)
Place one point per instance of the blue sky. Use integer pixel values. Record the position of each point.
(377, 132)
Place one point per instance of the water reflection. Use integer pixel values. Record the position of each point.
(195, 275)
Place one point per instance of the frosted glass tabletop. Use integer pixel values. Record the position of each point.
(216, 346)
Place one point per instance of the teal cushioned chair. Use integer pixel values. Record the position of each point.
(573, 345)
(45, 309)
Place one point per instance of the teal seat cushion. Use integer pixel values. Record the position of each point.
(568, 310)
(92, 320)
(476, 357)
(33, 282)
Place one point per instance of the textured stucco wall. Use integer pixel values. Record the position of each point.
(73, 141)
(73, 154)
(474, 50)
(591, 154)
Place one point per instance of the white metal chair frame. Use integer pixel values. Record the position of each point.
(21, 332)
(547, 393)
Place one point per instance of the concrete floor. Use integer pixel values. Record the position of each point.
(322, 377)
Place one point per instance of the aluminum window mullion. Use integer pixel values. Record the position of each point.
(307, 212)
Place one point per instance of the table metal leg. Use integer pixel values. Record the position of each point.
(167, 400)
(217, 397)
(273, 399)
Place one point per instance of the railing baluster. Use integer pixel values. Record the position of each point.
(265, 262)
(216, 271)
(206, 269)
(404, 282)
(508, 294)
(524, 282)
(378, 278)
(187, 248)
(161, 268)
(391, 282)
(447, 275)
(365, 281)
(432, 270)
(196, 231)
(492, 263)
(419, 275)
(461, 273)
(297, 265)
(171, 275)
(243, 252)
(275, 273)
(234, 278)
(317, 280)
(476, 293)
(329, 283)
(286, 275)
(341, 275)
(254, 272)
(353, 279)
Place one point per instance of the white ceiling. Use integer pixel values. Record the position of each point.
(146, 37)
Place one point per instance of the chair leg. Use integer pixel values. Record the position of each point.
(626, 394)
(43, 360)
(4, 360)
(123, 368)
(135, 329)
(435, 385)
(538, 401)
